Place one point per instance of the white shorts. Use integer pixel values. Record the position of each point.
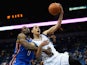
(60, 59)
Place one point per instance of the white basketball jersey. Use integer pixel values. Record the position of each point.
(57, 58)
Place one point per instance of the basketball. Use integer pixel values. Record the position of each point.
(54, 8)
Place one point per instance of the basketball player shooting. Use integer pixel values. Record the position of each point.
(57, 58)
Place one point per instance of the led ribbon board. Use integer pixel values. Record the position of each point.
(75, 20)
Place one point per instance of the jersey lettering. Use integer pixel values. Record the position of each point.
(28, 53)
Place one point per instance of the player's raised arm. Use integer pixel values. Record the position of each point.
(57, 26)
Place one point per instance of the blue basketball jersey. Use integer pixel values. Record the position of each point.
(22, 53)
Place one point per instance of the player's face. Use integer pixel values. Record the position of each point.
(36, 30)
(25, 30)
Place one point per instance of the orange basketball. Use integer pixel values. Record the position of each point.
(54, 8)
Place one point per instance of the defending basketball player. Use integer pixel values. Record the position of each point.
(24, 51)
(57, 58)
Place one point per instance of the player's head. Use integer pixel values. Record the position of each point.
(36, 30)
(25, 30)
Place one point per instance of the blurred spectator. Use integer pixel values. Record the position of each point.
(77, 55)
(2, 56)
(85, 61)
(85, 54)
(80, 56)
(4, 63)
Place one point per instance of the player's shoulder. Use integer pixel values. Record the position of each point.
(20, 35)
(44, 35)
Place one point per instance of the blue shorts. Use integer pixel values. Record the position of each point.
(19, 62)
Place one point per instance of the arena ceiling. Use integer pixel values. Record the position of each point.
(37, 10)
